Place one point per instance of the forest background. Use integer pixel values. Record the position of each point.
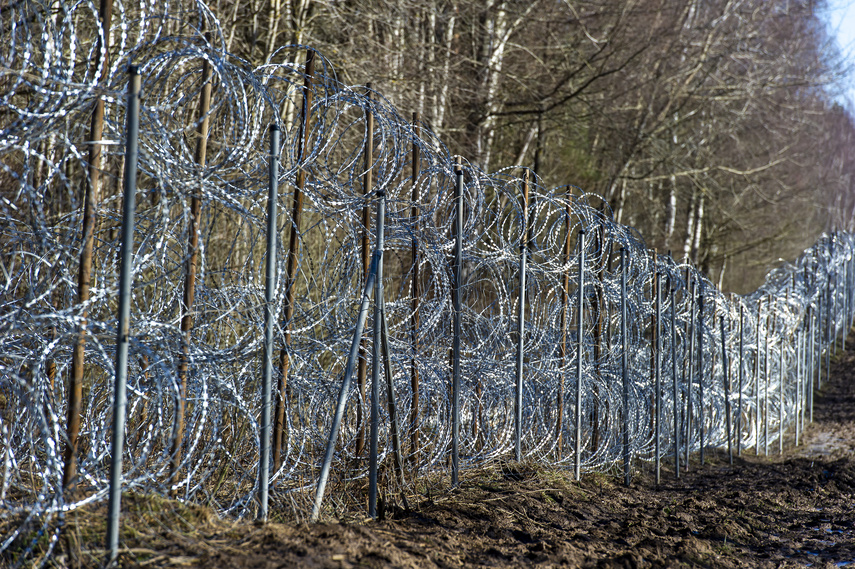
(712, 126)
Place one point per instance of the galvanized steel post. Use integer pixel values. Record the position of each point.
(757, 418)
(657, 356)
(456, 286)
(345, 387)
(521, 323)
(392, 405)
(376, 361)
(690, 376)
(741, 379)
(811, 359)
(782, 376)
(725, 365)
(798, 382)
(674, 379)
(829, 327)
(565, 318)
(120, 402)
(580, 346)
(624, 364)
(269, 291)
(769, 329)
(841, 281)
(701, 369)
(850, 287)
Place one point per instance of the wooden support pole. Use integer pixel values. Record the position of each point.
(565, 319)
(90, 202)
(191, 269)
(291, 263)
(417, 294)
(367, 186)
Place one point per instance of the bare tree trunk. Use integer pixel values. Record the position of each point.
(690, 226)
(441, 101)
(492, 52)
(300, 12)
(619, 203)
(699, 223)
(671, 211)
(274, 15)
(234, 24)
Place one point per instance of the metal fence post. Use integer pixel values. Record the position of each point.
(798, 382)
(757, 359)
(455, 370)
(580, 346)
(393, 406)
(120, 402)
(565, 318)
(376, 362)
(521, 324)
(624, 364)
(811, 358)
(829, 330)
(741, 379)
(701, 369)
(345, 387)
(269, 291)
(769, 329)
(690, 378)
(851, 315)
(657, 355)
(725, 364)
(782, 378)
(674, 379)
(844, 300)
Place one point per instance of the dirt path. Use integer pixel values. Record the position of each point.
(786, 511)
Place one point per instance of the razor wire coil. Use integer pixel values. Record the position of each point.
(47, 101)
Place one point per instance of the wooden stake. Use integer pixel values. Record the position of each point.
(291, 262)
(90, 201)
(417, 293)
(190, 268)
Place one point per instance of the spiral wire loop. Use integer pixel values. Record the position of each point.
(46, 103)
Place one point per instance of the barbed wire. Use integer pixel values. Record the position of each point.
(46, 105)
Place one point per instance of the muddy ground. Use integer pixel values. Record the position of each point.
(793, 510)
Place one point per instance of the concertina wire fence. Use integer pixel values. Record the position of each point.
(743, 365)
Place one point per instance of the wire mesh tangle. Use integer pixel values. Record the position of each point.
(773, 338)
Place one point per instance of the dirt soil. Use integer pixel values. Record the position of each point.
(795, 510)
